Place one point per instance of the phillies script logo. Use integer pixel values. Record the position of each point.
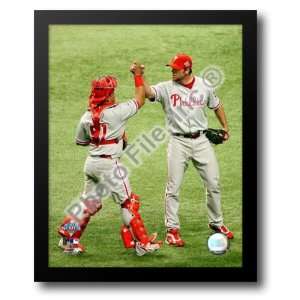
(175, 98)
(193, 100)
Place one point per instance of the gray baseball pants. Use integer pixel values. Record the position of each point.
(180, 151)
(108, 177)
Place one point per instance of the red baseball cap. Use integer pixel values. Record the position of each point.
(180, 61)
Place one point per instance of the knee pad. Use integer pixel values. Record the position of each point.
(135, 200)
(132, 204)
(129, 212)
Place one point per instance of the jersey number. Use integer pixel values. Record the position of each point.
(98, 134)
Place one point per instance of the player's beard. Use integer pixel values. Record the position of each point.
(176, 79)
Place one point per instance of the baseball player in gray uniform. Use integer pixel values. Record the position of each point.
(184, 99)
(102, 127)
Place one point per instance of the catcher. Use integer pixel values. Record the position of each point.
(102, 127)
(184, 100)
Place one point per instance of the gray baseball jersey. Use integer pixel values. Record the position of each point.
(112, 126)
(184, 107)
(185, 113)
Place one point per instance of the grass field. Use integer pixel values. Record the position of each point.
(79, 54)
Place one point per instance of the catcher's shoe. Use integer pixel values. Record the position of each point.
(221, 229)
(142, 249)
(62, 243)
(73, 247)
(173, 238)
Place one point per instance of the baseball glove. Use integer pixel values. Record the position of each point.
(125, 144)
(216, 136)
(125, 141)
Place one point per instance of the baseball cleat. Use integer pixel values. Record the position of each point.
(173, 238)
(62, 243)
(142, 249)
(74, 250)
(71, 246)
(221, 229)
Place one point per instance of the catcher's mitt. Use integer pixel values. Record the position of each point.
(216, 136)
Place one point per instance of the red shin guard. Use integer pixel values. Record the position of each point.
(139, 231)
(127, 237)
(73, 228)
(70, 228)
(136, 230)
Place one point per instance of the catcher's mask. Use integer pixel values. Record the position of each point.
(101, 90)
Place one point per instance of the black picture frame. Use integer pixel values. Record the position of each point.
(248, 271)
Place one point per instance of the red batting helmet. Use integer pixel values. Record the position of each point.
(102, 88)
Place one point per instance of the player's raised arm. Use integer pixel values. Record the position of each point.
(139, 84)
(149, 92)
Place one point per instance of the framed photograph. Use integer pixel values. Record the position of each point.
(145, 146)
